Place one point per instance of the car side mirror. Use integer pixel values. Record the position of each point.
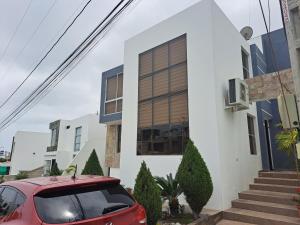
(4, 206)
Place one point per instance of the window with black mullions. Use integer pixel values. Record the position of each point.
(251, 132)
(245, 61)
(163, 100)
(114, 94)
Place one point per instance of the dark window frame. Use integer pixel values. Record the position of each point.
(251, 134)
(119, 133)
(245, 63)
(154, 128)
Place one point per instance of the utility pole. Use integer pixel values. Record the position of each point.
(291, 20)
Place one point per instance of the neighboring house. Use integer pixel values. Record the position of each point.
(72, 142)
(28, 149)
(267, 111)
(4, 154)
(171, 88)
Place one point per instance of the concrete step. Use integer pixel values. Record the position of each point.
(268, 196)
(281, 174)
(260, 218)
(279, 181)
(231, 222)
(267, 207)
(274, 188)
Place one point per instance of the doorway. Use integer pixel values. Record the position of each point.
(268, 144)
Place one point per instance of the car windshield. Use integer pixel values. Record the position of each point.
(81, 203)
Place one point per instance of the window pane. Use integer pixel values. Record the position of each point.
(178, 78)
(119, 105)
(120, 86)
(145, 63)
(145, 114)
(160, 57)
(245, 61)
(8, 196)
(161, 111)
(251, 132)
(161, 140)
(145, 88)
(55, 209)
(176, 134)
(179, 109)
(161, 83)
(178, 50)
(78, 131)
(110, 107)
(111, 89)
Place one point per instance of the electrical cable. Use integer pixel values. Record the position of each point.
(47, 53)
(45, 85)
(15, 31)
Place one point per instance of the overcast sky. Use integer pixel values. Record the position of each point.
(79, 93)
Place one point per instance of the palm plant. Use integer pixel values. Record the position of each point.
(170, 190)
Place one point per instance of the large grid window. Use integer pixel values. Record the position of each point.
(251, 132)
(77, 139)
(163, 102)
(114, 94)
(245, 61)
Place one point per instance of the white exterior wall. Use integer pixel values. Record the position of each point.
(93, 136)
(29, 150)
(221, 137)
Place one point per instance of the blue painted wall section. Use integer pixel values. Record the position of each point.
(268, 110)
(105, 75)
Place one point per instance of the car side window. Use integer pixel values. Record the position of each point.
(7, 201)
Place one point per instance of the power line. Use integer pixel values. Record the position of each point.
(274, 62)
(15, 31)
(47, 53)
(90, 41)
(31, 37)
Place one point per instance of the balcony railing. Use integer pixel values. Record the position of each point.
(51, 148)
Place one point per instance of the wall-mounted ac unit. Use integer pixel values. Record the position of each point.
(290, 119)
(238, 95)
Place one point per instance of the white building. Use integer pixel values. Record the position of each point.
(172, 86)
(28, 149)
(72, 142)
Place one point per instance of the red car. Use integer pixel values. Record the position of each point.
(86, 200)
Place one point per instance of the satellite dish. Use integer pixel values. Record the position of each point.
(247, 32)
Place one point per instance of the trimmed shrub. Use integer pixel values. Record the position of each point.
(21, 175)
(194, 179)
(54, 170)
(92, 166)
(147, 193)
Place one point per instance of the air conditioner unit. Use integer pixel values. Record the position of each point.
(238, 95)
(290, 119)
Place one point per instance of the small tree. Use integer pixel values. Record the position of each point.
(21, 175)
(92, 166)
(147, 193)
(54, 170)
(194, 179)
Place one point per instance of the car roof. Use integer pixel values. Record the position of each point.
(39, 184)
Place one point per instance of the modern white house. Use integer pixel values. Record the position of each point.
(72, 142)
(172, 87)
(28, 149)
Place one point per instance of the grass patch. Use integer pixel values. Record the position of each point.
(182, 219)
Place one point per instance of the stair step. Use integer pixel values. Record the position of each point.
(267, 207)
(274, 188)
(231, 222)
(259, 218)
(282, 174)
(268, 196)
(279, 181)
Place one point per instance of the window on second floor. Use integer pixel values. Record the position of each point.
(114, 93)
(251, 132)
(77, 139)
(245, 61)
(54, 137)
